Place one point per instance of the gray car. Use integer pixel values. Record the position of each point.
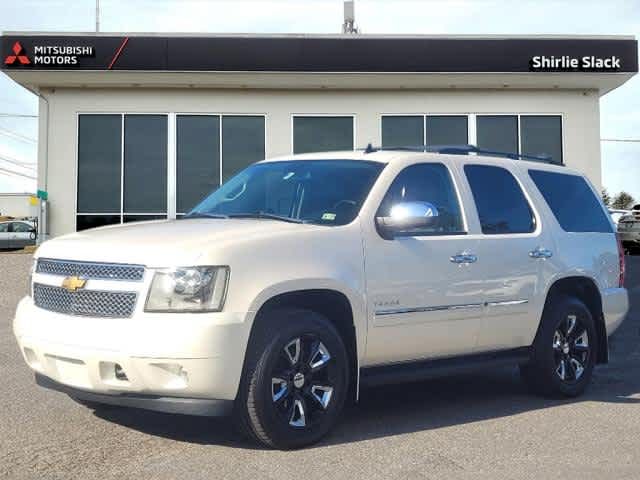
(17, 234)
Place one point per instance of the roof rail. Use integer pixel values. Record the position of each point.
(461, 150)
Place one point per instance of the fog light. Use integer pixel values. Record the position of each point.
(119, 372)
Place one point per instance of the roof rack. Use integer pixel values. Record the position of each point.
(461, 150)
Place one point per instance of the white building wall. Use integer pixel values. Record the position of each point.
(16, 205)
(579, 109)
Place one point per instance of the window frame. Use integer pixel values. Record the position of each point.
(293, 116)
(472, 125)
(172, 147)
(525, 193)
(458, 195)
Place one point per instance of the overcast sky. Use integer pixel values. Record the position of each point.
(620, 110)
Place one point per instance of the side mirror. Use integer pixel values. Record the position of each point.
(406, 216)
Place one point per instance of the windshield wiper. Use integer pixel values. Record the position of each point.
(204, 215)
(269, 216)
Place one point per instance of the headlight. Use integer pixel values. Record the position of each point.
(188, 289)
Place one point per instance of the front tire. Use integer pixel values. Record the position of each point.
(295, 380)
(564, 351)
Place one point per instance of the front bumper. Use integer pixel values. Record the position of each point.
(185, 406)
(186, 356)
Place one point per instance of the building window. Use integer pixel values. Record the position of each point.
(123, 162)
(145, 164)
(99, 163)
(419, 130)
(402, 131)
(447, 130)
(497, 133)
(322, 134)
(242, 143)
(202, 141)
(197, 158)
(542, 135)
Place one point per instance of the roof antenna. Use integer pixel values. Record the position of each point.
(349, 26)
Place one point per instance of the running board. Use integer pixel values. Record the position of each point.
(441, 367)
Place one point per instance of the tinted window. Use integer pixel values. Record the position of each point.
(99, 152)
(145, 163)
(501, 205)
(542, 135)
(447, 130)
(84, 222)
(242, 143)
(4, 227)
(328, 192)
(322, 134)
(197, 158)
(498, 133)
(19, 227)
(402, 131)
(143, 218)
(427, 182)
(572, 202)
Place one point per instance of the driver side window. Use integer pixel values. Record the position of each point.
(432, 183)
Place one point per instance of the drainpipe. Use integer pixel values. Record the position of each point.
(43, 214)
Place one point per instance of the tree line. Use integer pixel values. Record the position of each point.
(620, 201)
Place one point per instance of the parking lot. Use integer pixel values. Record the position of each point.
(481, 426)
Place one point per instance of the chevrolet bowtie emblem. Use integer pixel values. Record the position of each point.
(71, 284)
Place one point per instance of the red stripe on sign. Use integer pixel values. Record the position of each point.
(118, 52)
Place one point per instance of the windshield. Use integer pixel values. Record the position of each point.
(328, 192)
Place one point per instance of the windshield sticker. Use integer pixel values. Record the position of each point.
(329, 216)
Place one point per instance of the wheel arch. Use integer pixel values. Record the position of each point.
(586, 290)
(333, 304)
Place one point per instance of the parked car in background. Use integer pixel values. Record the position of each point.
(16, 234)
(629, 230)
(616, 214)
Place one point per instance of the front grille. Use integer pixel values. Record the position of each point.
(88, 303)
(91, 270)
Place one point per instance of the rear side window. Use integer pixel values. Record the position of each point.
(4, 227)
(501, 205)
(572, 202)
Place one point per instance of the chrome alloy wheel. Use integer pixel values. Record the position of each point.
(302, 382)
(571, 349)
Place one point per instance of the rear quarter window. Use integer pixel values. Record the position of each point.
(572, 202)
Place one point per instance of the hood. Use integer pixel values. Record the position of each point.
(165, 242)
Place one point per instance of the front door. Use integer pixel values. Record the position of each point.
(423, 291)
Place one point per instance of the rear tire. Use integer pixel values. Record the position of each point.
(564, 351)
(295, 380)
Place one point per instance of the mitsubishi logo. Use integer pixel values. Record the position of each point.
(18, 54)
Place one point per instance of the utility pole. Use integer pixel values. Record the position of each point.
(97, 16)
(349, 25)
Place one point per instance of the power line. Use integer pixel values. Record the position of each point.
(17, 174)
(19, 163)
(625, 140)
(17, 115)
(9, 133)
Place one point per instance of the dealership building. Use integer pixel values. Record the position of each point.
(136, 127)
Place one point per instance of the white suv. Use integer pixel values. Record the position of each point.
(301, 280)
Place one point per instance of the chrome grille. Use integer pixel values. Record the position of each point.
(91, 270)
(88, 303)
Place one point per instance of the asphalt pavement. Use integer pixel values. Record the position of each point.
(485, 425)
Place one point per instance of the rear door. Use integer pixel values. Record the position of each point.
(514, 245)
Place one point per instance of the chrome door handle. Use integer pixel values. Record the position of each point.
(541, 253)
(464, 257)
